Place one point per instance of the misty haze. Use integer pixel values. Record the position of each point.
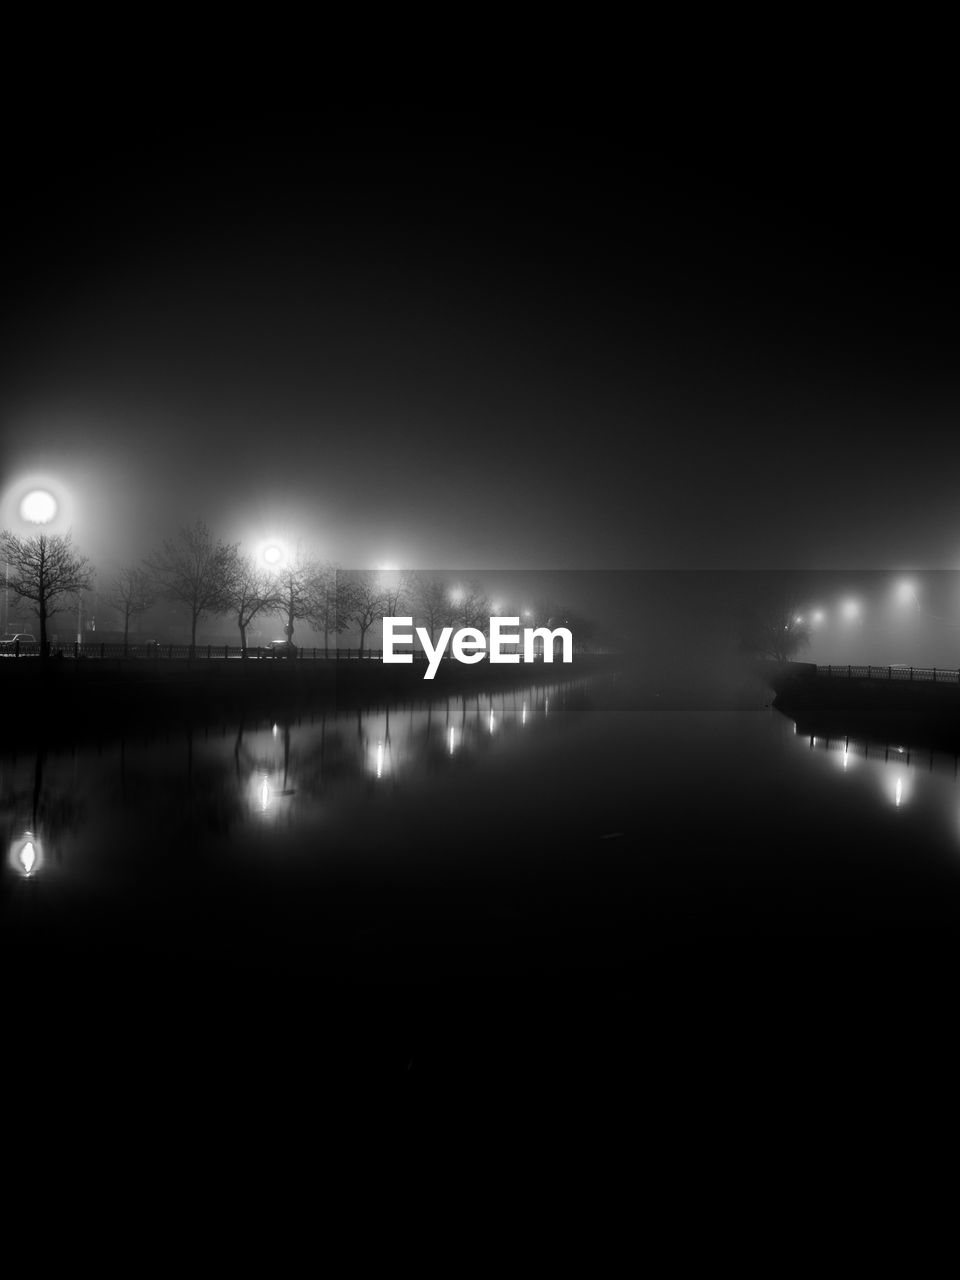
(681, 410)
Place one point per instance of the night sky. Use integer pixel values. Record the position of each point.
(522, 339)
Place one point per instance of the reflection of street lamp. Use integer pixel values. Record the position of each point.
(26, 855)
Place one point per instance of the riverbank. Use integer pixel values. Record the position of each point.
(885, 710)
(67, 698)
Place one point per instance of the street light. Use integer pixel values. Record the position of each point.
(272, 555)
(907, 594)
(39, 506)
(851, 610)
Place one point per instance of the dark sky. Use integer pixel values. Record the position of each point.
(631, 337)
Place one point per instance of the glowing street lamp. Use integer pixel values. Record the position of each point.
(907, 594)
(273, 555)
(851, 610)
(39, 506)
(816, 617)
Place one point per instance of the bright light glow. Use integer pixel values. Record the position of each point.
(899, 791)
(492, 721)
(452, 739)
(528, 613)
(846, 756)
(851, 609)
(523, 714)
(379, 759)
(38, 507)
(275, 730)
(28, 858)
(906, 593)
(799, 619)
(273, 554)
(816, 617)
(25, 855)
(457, 595)
(264, 794)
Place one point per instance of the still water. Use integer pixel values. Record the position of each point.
(567, 830)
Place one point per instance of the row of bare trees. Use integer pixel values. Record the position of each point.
(207, 576)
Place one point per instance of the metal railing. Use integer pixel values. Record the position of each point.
(206, 652)
(931, 675)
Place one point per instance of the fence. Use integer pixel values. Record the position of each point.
(205, 652)
(932, 675)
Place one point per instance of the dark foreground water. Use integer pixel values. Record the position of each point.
(559, 875)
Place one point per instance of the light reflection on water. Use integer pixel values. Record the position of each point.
(274, 775)
(893, 774)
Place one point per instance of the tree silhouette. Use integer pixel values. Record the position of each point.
(132, 593)
(46, 569)
(193, 569)
(294, 590)
(324, 612)
(432, 603)
(362, 600)
(250, 591)
(776, 629)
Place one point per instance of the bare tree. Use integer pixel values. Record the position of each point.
(432, 603)
(471, 606)
(193, 569)
(131, 594)
(250, 591)
(46, 571)
(362, 600)
(395, 586)
(294, 591)
(324, 613)
(777, 629)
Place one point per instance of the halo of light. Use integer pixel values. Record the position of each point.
(25, 855)
(38, 506)
(272, 554)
